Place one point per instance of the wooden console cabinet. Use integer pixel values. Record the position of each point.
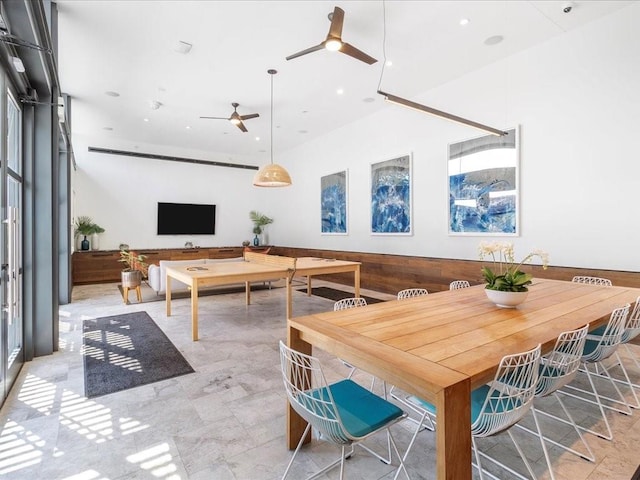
(102, 266)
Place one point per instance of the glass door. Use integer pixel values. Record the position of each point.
(11, 329)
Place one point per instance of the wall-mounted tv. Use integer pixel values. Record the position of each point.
(186, 219)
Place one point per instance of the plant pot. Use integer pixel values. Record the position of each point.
(131, 279)
(506, 299)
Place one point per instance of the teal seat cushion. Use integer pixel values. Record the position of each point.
(478, 397)
(361, 411)
(590, 346)
(598, 331)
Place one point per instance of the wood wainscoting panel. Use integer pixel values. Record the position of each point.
(392, 273)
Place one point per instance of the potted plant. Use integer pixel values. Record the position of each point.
(259, 220)
(135, 268)
(83, 227)
(95, 240)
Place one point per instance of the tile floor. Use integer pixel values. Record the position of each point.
(226, 421)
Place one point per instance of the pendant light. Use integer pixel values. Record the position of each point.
(272, 175)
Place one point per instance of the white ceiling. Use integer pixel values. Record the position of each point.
(128, 47)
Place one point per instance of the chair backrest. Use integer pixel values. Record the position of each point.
(592, 280)
(349, 303)
(458, 284)
(412, 292)
(632, 328)
(601, 346)
(309, 394)
(560, 366)
(510, 395)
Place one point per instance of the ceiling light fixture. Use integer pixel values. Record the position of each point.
(272, 175)
(439, 113)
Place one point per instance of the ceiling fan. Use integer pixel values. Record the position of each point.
(334, 41)
(236, 118)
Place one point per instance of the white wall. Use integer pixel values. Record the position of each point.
(121, 194)
(576, 98)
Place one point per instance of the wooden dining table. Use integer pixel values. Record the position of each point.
(443, 345)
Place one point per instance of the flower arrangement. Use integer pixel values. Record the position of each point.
(506, 275)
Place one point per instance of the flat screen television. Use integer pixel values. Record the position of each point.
(186, 219)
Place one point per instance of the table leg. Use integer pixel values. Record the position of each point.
(453, 432)
(168, 295)
(247, 292)
(356, 281)
(289, 311)
(194, 311)
(309, 285)
(295, 423)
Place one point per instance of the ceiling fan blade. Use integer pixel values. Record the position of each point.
(337, 19)
(355, 53)
(251, 115)
(216, 118)
(242, 127)
(304, 52)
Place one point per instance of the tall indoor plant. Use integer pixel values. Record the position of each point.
(260, 220)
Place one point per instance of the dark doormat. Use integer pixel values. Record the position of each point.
(335, 295)
(126, 351)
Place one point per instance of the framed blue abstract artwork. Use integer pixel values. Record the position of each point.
(333, 201)
(484, 185)
(391, 196)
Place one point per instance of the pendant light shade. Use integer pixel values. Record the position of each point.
(272, 175)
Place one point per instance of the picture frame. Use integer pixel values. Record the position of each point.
(334, 215)
(484, 187)
(391, 196)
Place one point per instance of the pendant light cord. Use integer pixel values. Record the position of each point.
(384, 42)
(272, 72)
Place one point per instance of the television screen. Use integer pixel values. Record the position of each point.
(186, 219)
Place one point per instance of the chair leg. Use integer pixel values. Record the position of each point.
(304, 435)
(632, 355)
(600, 367)
(483, 472)
(413, 439)
(626, 381)
(609, 434)
(588, 456)
(544, 446)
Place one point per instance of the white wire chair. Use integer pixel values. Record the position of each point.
(557, 369)
(458, 284)
(343, 412)
(349, 303)
(495, 407)
(631, 331)
(601, 344)
(412, 292)
(592, 280)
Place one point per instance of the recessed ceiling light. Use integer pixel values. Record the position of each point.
(368, 100)
(303, 131)
(112, 93)
(340, 91)
(262, 150)
(305, 111)
(257, 139)
(188, 127)
(496, 39)
(146, 119)
(107, 128)
(464, 21)
(389, 63)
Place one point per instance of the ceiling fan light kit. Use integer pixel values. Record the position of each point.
(334, 41)
(235, 118)
(272, 175)
(439, 113)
